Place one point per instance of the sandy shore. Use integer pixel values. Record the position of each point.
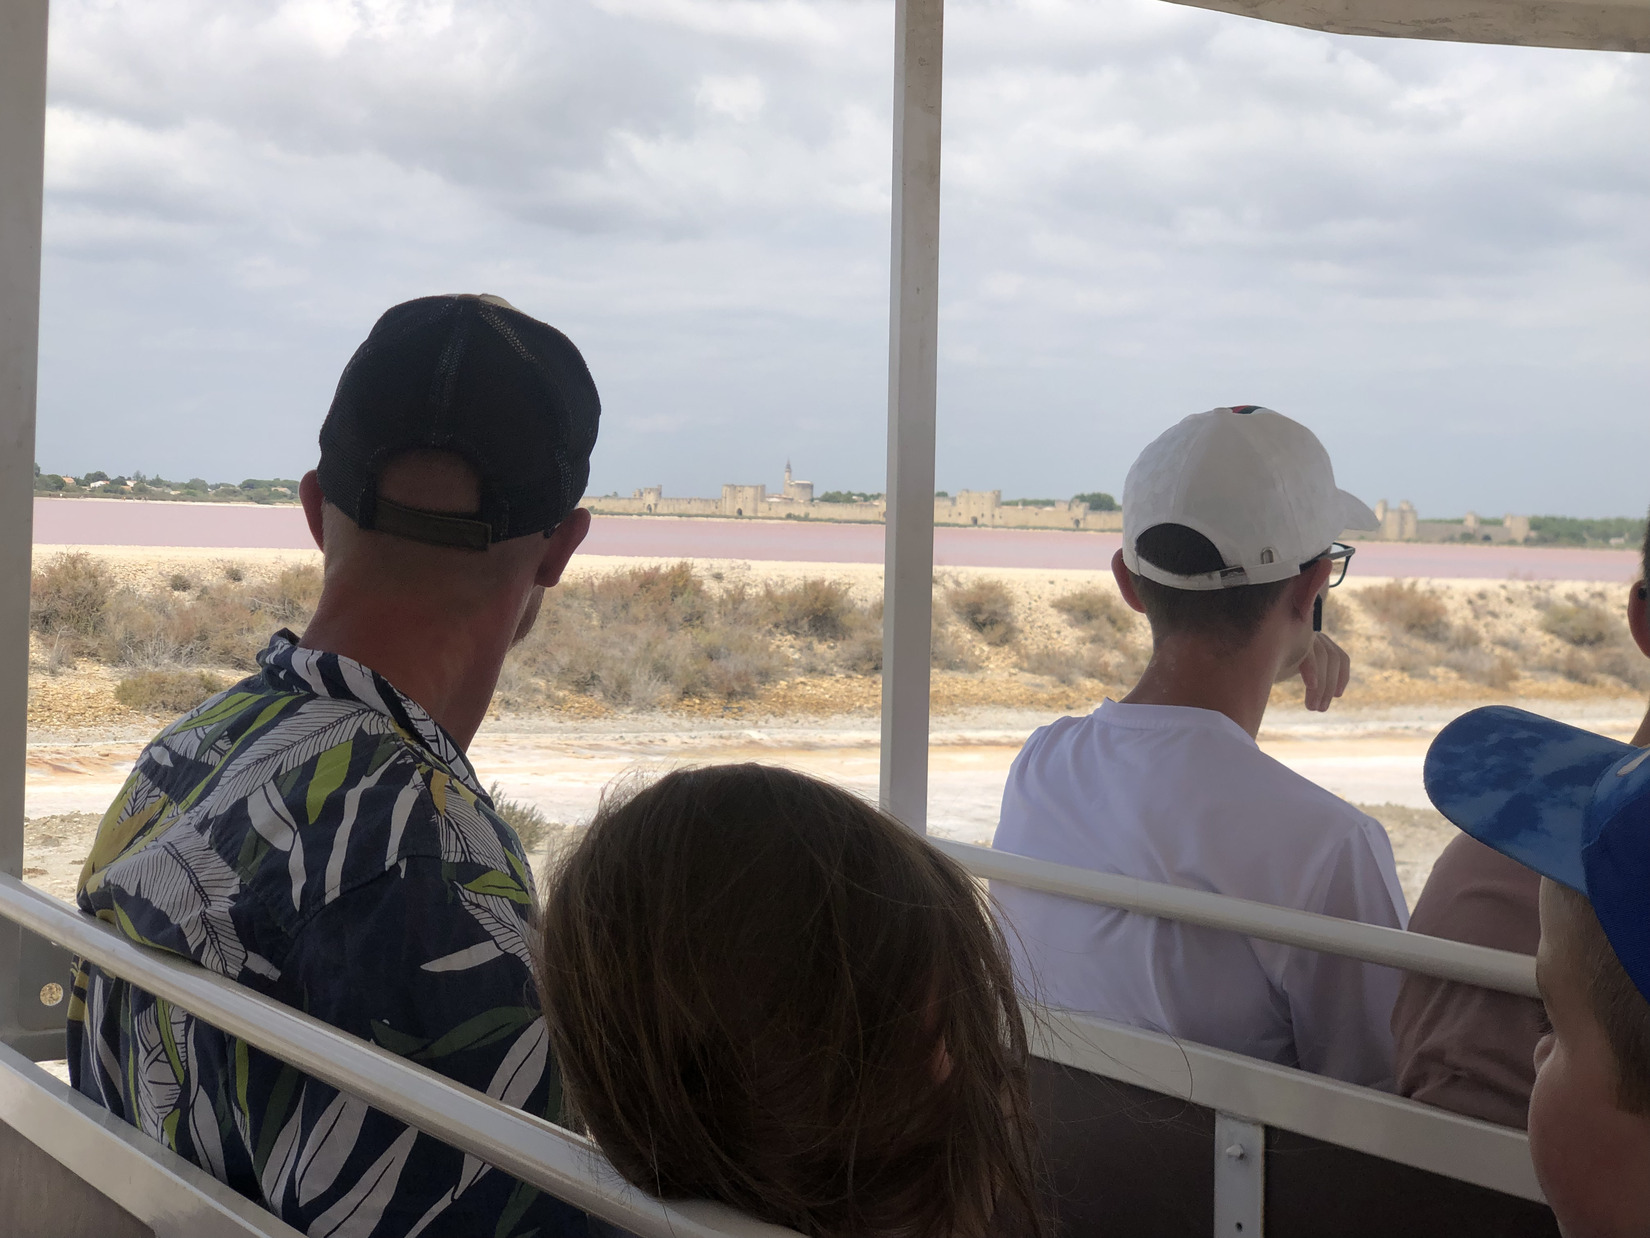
(1371, 757)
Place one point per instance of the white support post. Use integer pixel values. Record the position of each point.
(22, 158)
(913, 331)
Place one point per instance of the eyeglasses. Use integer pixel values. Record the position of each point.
(1339, 555)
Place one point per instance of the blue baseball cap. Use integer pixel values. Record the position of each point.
(1572, 805)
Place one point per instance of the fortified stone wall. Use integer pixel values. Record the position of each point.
(1401, 524)
(986, 509)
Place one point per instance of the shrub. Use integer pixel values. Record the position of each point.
(529, 822)
(1097, 613)
(987, 607)
(1403, 606)
(1480, 666)
(168, 692)
(820, 609)
(234, 573)
(945, 651)
(1583, 626)
(863, 654)
(69, 595)
(1623, 661)
(76, 607)
(642, 638)
(292, 595)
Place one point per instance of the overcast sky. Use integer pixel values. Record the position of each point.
(1436, 255)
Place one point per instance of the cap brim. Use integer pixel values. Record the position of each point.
(1521, 783)
(1356, 514)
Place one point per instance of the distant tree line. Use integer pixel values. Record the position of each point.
(140, 486)
(1574, 531)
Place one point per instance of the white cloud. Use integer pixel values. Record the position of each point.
(1149, 209)
(738, 98)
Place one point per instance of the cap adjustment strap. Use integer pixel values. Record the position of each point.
(465, 532)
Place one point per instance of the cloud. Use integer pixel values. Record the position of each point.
(1436, 254)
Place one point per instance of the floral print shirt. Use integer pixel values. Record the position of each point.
(316, 836)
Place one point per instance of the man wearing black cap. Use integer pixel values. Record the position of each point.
(317, 833)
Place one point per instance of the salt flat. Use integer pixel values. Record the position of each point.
(1370, 757)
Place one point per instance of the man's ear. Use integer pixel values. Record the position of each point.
(1303, 592)
(1125, 583)
(1638, 616)
(559, 546)
(309, 494)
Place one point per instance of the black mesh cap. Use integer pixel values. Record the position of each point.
(475, 376)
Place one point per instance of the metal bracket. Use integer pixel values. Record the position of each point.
(1240, 1178)
(32, 1013)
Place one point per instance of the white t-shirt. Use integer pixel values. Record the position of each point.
(1184, 796)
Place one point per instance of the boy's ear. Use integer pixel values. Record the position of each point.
(1638, 616)
(1303, 593)
(1125, 583)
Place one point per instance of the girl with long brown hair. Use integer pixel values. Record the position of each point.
(763, 991)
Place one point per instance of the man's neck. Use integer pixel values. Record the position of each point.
(1203, 676)
(447, 665)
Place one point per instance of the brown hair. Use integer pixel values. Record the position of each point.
(764, 991)
(1229, 616)
(1621, 1010)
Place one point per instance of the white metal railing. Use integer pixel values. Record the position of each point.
(573, 1169)
(1501, 970)
(172, 1197)
(537, 1152)
(1344, 1114)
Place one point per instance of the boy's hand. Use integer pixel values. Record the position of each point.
(1325, 671)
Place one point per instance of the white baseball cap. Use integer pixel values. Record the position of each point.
(1256, 484)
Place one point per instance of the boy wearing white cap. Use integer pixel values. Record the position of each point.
(1230, 522)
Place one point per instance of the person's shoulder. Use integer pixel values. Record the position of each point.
(1476, 894)
(1064, 730)
(1272, 785)
(324, 796)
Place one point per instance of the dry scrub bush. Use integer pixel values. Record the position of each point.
(1111, 649)
(1408, 609)
(643, 638)
(1098, 613)
(1493, 670)
(656, 636)
(1066, 666)
(68, 595)
(987, 607)
(1584, 625)
(76, 605)
(820, 609)
(166, 692)
(947, 651)
(529, 823)
(1595, 644)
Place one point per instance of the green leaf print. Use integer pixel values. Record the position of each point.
(478, 1032)
(500, 885)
